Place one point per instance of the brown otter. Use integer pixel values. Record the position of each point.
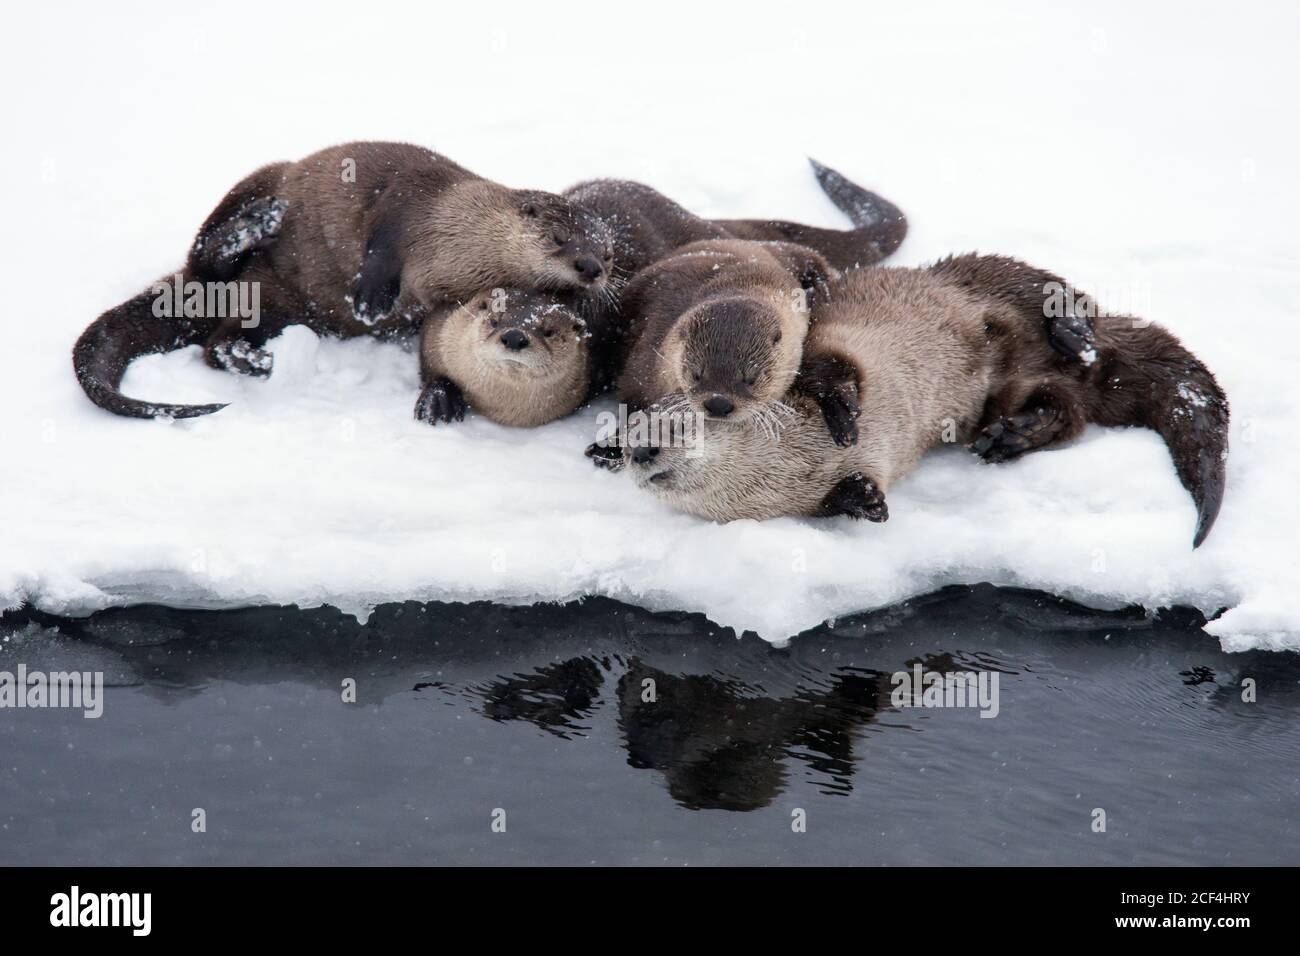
(959, 346)
(721, 325)
(362, 238)
(647, 227)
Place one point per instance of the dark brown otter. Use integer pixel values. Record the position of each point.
(362, 238)
(647, 225)
(720, 326)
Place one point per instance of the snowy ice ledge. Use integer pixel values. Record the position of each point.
(317, 486)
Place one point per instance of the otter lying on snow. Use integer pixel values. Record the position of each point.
(376, 238)
(358, 239)
(499, 359)
(896, 357)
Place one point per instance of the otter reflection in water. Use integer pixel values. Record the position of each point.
(720, 743)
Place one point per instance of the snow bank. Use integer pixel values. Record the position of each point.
(317, 486)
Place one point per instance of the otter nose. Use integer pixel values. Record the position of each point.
(719, 405)
(514, 340)
(588, 268)
(644, 454)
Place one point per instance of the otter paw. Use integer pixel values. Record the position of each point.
(841, 419)
(255, 226)
(605, 456)
(833, 384)
(1013, 435)
(375, 289)
(1073, 336)
(441, 401)
(241, 356)
(857, 497)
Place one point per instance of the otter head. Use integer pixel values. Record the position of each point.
(724, 471)
(525, 333)
(734, 357)
(521, 357)
(569, 246)
(655, 449)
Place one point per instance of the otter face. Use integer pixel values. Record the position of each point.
(670, 456)
(577, 247)
(530, 334)
(734, 358)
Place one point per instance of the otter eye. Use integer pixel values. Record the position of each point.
(751, 375)
(560, 237)
(696, 375)
(494, 322)
(547, 333)
(483, 306)
(776, 338)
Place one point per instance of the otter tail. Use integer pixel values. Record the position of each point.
(879, 225)
(121, 334)
(1148, 378)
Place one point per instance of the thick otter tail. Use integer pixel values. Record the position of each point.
(1147, 378)
(879, 225)
(1119, 371)
(121, 334)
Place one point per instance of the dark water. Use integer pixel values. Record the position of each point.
(464, 710)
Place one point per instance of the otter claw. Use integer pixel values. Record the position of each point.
(1013, 435)
(441, 401)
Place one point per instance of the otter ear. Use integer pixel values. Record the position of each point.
(530, 208)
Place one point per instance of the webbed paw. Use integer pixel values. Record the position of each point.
(441, 401)
(1013, 435)
(856, 496)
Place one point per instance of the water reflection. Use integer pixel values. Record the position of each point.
(722, 744)
(727, 723)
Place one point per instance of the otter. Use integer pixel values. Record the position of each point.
(960, 347)
(722, 326)
(647, 225)
(647, 230)
(363, 238)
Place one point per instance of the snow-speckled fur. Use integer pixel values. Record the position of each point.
(366, 214)
(939, 353)
(722, 317)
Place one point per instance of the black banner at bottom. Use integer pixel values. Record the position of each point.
(335, 905)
